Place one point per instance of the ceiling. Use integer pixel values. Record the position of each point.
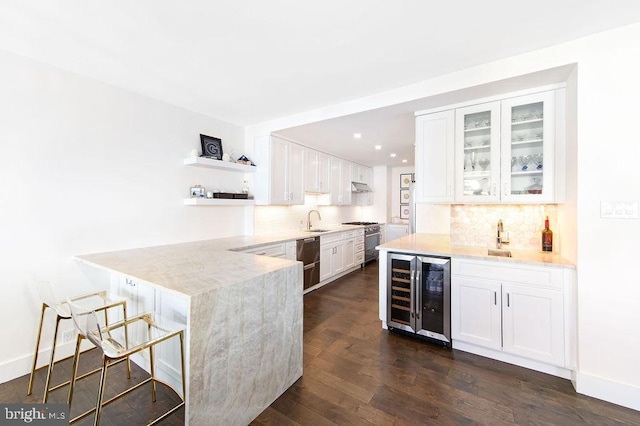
(251, 61)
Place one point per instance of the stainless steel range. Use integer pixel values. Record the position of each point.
(371, 239)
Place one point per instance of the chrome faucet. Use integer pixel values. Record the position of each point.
(500, 240)
(309, 218)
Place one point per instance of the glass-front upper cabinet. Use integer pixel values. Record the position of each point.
(477, 153)
(528, 148)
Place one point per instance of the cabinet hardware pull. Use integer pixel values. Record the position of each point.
(495, 298)
(261, 254)
(506, 189)
(494, 188)
(508, 302)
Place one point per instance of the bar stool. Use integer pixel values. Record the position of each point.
(99, 301)
(153, 330)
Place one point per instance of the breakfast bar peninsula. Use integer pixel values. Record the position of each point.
(243, 318)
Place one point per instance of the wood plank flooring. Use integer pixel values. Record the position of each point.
(357, 373)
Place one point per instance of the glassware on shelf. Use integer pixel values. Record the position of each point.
(473, 161)
(513, 161)
(483, 162)
(537, 160)
(525, 160)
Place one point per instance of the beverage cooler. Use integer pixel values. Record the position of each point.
(419, 296)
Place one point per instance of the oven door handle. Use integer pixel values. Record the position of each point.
(371, 235)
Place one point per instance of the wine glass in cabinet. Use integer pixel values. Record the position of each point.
(477, 153)
(528, 136)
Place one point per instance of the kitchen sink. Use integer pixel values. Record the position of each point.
(319, 230)
(499, 252)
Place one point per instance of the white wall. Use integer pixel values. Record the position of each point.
(85, 167)
(605, 95)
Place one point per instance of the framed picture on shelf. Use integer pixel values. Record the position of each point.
(211, 147)
(404, 196)
(404, 211)
(405, 180)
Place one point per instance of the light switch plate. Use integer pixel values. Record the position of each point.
(619, 209)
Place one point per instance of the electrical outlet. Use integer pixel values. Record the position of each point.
(68, 336)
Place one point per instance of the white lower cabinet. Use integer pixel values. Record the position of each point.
(286, 250)
(516, 310)
(331, 259)
(349, 253)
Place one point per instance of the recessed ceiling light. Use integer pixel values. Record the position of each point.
(357, 135)
(393, 154)
(404, 161)
(378, 147)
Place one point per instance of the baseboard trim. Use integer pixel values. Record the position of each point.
(18, 367)
(618, 393)
(513, 359)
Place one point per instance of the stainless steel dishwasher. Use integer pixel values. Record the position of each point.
(308, 252)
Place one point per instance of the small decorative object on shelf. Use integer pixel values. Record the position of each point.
(211, 147)
(244, 160)
(245, 187)
(197, 191)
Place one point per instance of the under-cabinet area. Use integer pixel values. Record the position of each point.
(499, 151)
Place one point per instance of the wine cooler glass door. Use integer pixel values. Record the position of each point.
(433, 309)
(401, 306)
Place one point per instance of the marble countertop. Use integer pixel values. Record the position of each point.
(195, 267)
(440, 245)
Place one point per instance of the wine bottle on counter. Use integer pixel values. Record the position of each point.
(547, 236)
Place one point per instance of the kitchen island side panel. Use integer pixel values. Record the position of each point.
(245, 347)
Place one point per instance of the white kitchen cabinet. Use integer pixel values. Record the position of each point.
(477, 153)
(331, 258)
(349, 253)
(476, 307)
(528, 149)
(434, 162)
(362, 174)
(517, 310)
(280, 172)
(396, 230)
(317, 172)
(505, 151)
(340, 182)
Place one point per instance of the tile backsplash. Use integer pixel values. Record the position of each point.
(475, 225)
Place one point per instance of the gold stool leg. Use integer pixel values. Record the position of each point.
(103, 380)
(51, 361)
(74, 370)
(35, 354)
(153, 370)
(126, 339)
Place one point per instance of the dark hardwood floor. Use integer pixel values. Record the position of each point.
(357, 373)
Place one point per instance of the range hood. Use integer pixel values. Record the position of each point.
(360, 187)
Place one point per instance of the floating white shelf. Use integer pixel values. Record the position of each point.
(218, 164)
(217, 202)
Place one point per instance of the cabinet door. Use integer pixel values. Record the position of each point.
(528, 148)
(324, 169)
(311, 167)
(336, 181)
(295, 168)
(279, 188)
(326, 262)
(338, 258)
(477, 153)
(349, 254)
(345, 184)
(475, 312)
(434, 162)
(533, 323)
